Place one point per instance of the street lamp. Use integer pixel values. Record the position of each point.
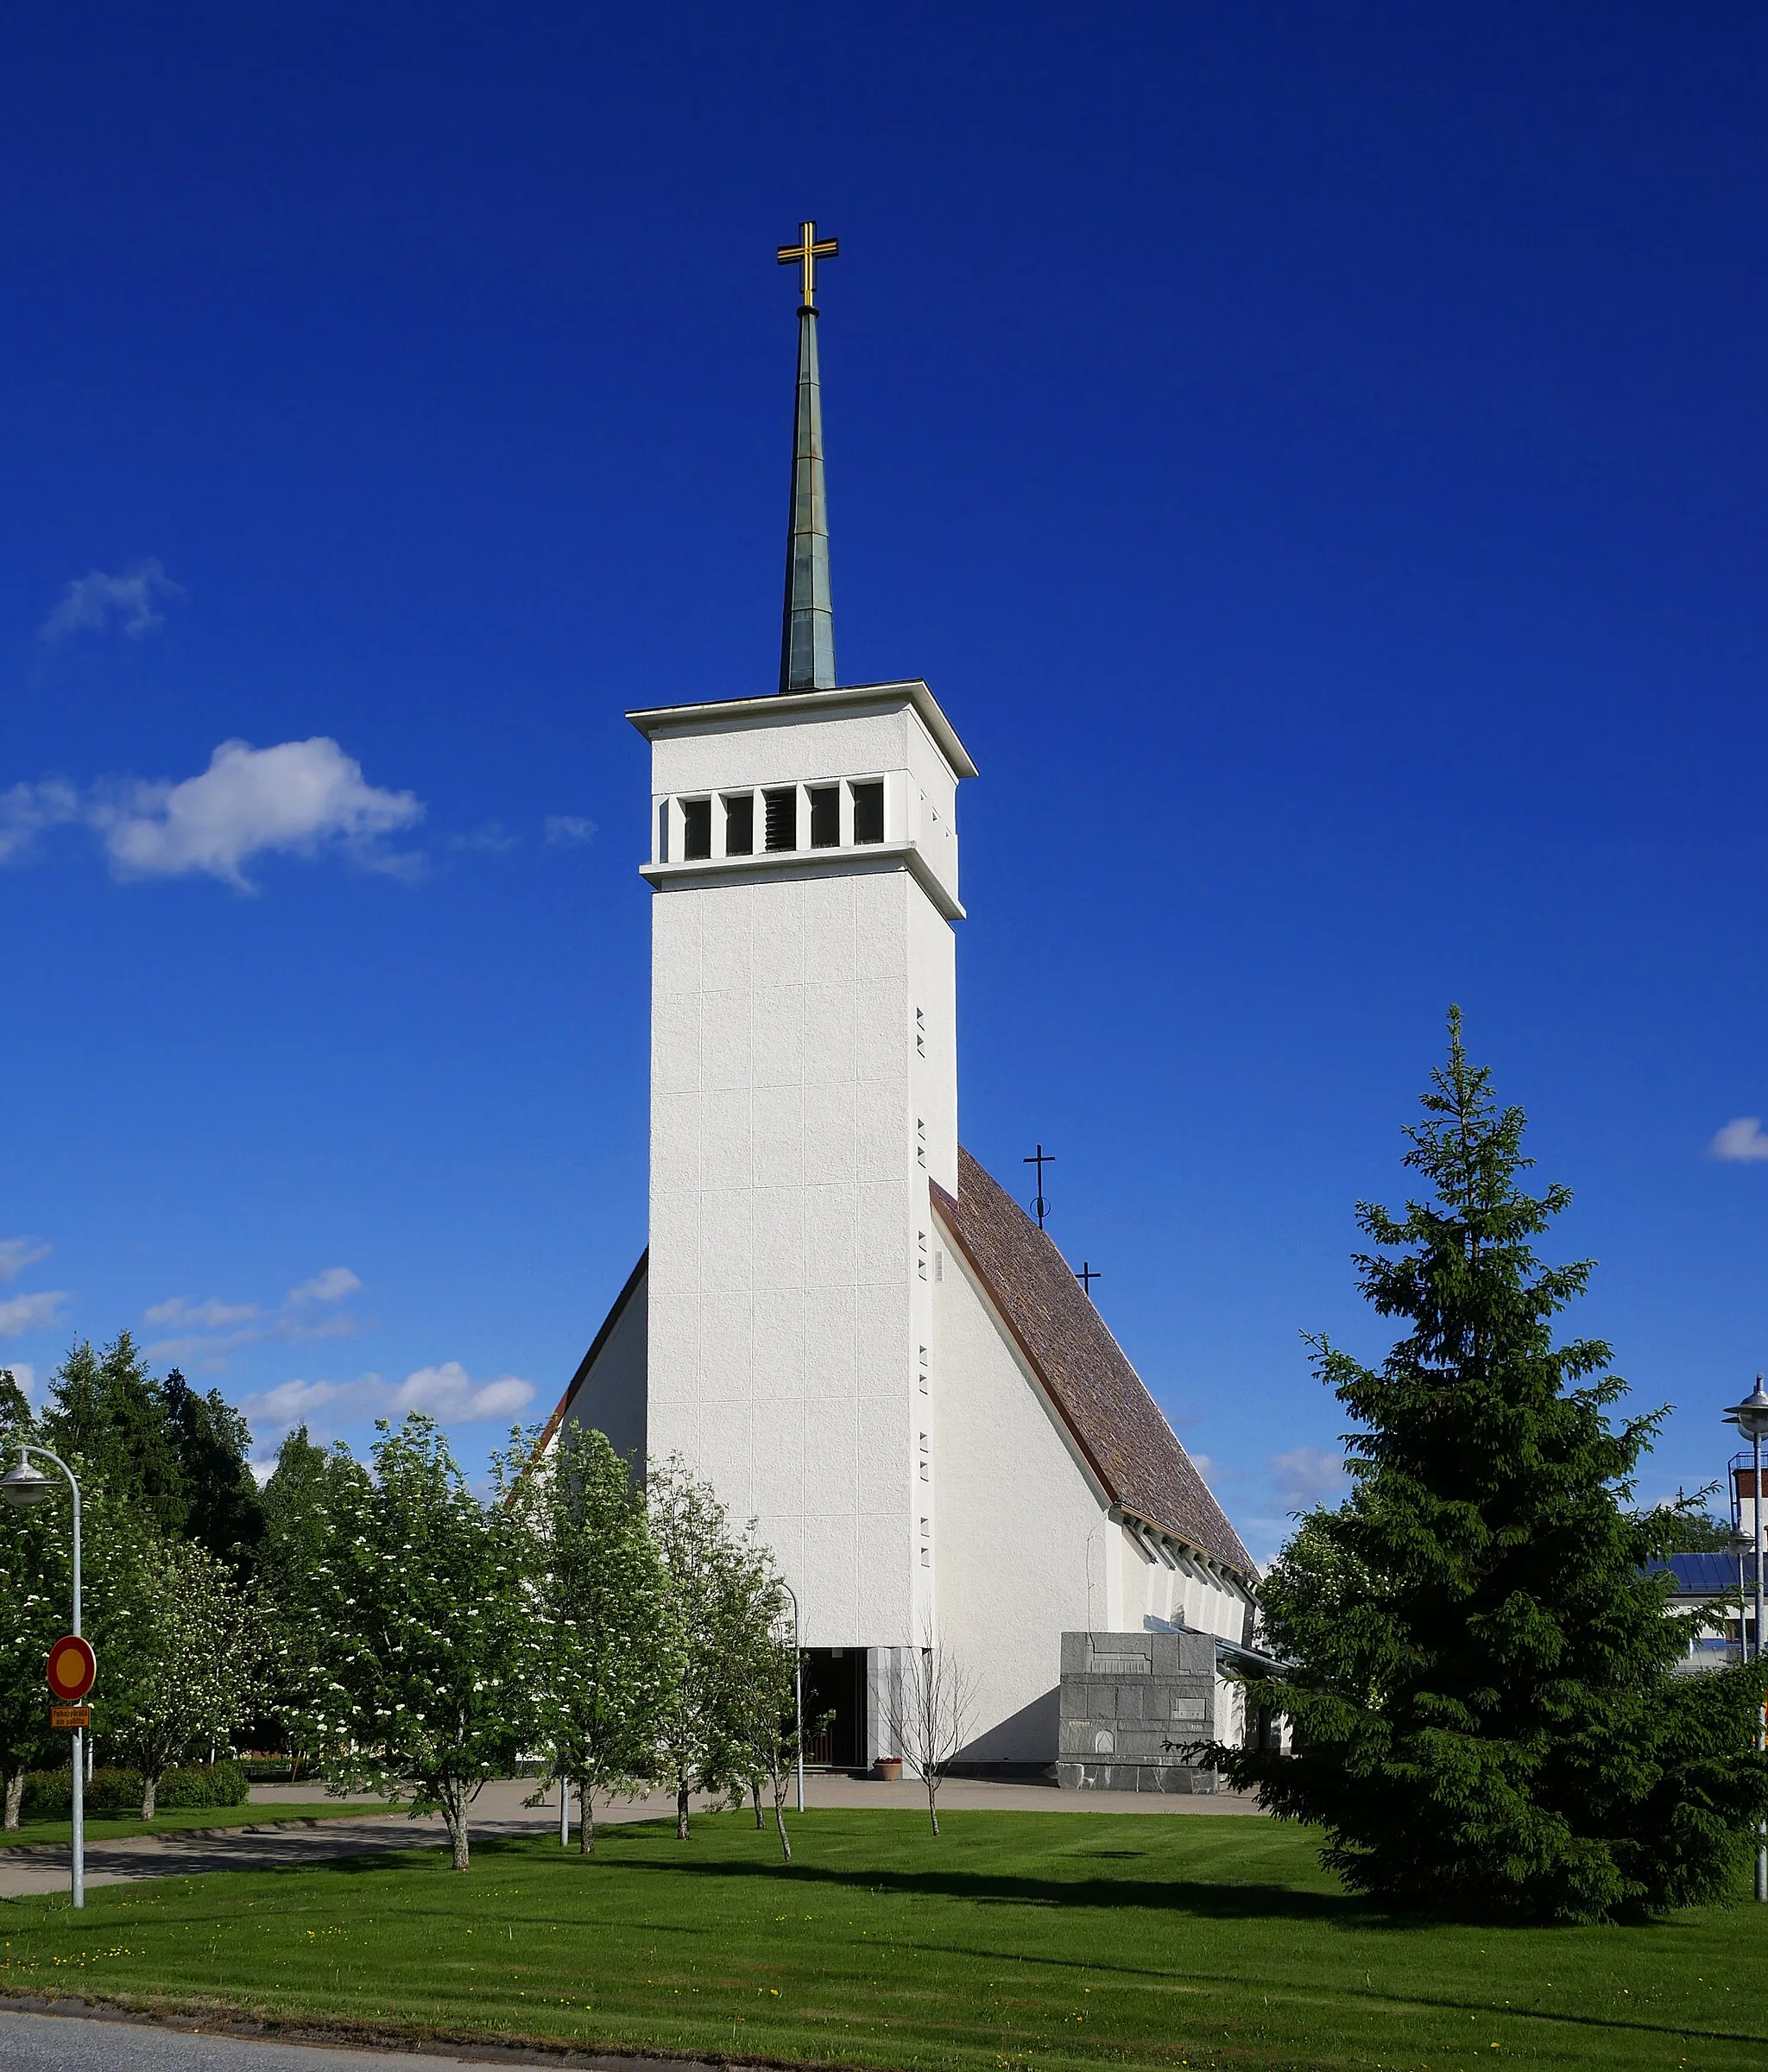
(1751, 1417)
(798, 1696)
(24, 1487)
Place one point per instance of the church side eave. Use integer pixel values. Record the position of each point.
(634, 1281)
(1119, 1512)
(993, 1199)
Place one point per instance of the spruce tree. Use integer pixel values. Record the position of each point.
(1484, 1712)
(212, 1443)
(107, 1414)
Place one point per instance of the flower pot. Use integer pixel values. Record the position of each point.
(889, 1768)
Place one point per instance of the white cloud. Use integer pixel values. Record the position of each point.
(179, 1314)
(447, 1392)
(332, 1285)
(567, 830)
(293, 1403)
(26, 1376)
(17, 1253)
(209, 1331)
(28, 809)
(22, 1313)
(494, 838)
(1742, 1141)
(298, 797)
(90, 603)
(1307, 1475)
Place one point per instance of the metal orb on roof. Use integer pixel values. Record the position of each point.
(1751, 1416)
(24, 1486)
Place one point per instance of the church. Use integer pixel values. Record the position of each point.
(841, 1321)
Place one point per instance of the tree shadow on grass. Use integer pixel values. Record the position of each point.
(1170, 1895)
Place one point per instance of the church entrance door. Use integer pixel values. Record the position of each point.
(835, 1707)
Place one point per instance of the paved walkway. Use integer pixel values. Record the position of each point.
(499, 1810)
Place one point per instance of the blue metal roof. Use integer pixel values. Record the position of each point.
(1700, 1574)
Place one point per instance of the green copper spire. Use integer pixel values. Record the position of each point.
(807, 632)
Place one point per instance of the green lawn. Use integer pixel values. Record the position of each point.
(1015, 1940)
(172, 1820)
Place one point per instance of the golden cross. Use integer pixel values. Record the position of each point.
(806, 254)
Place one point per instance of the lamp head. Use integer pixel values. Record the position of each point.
(24, 1486)
(1751, 1416)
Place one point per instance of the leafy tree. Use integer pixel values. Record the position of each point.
(309, 1486)
(611, 1645)
(34, 1606)
(424, 1646)
(1483, 1710)
(759, 1664)
(699, 1745)
(1696, 1533)
(197, 1655)
(107, 1415)
(212, 1444)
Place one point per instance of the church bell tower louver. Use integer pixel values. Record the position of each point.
(803, 1092)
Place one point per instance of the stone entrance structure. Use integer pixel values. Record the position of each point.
(1124, 1698)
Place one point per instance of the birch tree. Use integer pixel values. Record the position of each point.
(425, 1644)
(699, 1747)
(612, 1636)
(928, 1707)
(760, 1667)
(197, 1646)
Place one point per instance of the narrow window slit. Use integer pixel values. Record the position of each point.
(825, 816)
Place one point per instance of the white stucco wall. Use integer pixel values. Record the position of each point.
(803, 1089)
(1158, 1578)
(1025, 1546)
(1022, 1538)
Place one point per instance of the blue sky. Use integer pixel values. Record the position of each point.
(1317, 455)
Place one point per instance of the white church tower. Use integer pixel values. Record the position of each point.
(841, 1321)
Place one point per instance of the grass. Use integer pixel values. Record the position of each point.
(1015, 1941)
(174, 1820)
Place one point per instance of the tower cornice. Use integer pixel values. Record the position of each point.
(729, 715)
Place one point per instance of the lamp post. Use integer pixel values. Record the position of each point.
(798, 1696)
(1751, 1417)
(24, 1487)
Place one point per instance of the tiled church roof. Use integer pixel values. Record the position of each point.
(1100, 1396)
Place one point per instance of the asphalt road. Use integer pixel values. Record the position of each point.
(58, 2043)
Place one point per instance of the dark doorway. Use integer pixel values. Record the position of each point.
(834, 1686)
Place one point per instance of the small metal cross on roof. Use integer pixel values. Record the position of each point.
(804, 255)
(1087, 1276)
(1040, 1158)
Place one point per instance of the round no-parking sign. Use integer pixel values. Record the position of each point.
(73, 1669)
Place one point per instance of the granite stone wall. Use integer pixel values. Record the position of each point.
(1123, 1697)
